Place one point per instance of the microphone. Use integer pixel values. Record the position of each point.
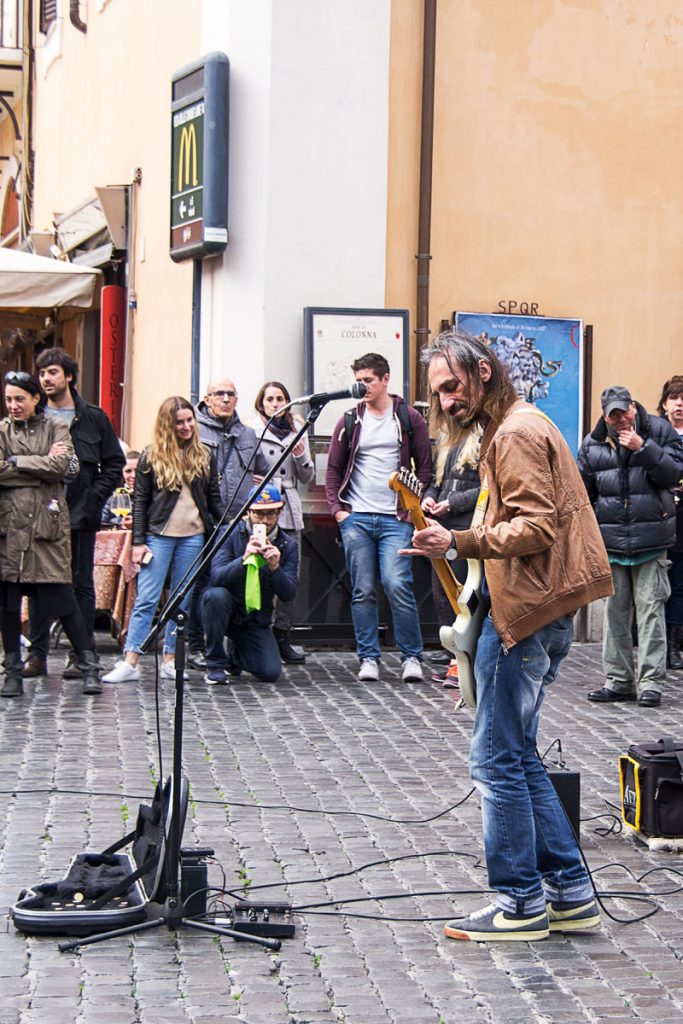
(357, 390)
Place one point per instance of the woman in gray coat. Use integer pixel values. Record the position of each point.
(35, 538)
(280, 425)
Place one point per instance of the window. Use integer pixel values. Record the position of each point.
(48, 14)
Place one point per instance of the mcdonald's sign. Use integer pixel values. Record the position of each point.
(199, 159)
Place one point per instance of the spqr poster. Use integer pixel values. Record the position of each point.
(544, 358)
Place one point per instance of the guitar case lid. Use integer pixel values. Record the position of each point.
(111, 889)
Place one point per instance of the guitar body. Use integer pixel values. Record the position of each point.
(461, 638)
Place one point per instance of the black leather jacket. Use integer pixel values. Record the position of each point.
(152, 506)
(101, 462)
(632, 492)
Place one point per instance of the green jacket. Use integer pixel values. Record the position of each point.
(35, 537)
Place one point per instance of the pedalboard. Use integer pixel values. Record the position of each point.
(269, 919)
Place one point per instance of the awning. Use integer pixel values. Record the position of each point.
(34, 285)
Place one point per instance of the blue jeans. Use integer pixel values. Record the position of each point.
(253, 646)
(531, 853)
(371, 544)
(176, 553)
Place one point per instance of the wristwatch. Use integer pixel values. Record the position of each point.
(452, 552)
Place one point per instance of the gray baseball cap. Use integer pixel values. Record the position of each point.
(615, 398)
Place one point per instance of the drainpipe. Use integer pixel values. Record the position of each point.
(423, 255)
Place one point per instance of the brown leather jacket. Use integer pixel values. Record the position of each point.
(540, 539)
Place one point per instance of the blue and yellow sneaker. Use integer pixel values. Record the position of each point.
(495, 925)
(573, 917)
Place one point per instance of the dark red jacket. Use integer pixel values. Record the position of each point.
(415, 454)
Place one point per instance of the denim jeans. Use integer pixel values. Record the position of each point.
(645, 587)
(531, 852)
(253, 646)
(371, 544)
(176, 554)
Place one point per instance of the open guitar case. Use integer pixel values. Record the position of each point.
(111, 889)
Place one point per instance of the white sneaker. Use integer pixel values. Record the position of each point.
(412, 671)
(122, 672)
(168, 671)
(368, 671)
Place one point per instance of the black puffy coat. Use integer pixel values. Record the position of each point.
(632, 492)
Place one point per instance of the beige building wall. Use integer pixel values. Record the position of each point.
(103, 109)
(558, 171)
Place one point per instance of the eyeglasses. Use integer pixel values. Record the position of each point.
(222, 394)
(18, 377)
(263, 514)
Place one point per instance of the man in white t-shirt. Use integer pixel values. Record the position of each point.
(385, 434)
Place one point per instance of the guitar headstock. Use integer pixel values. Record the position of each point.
(408, 488)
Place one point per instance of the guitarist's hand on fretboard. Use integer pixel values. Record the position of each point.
(433, 542)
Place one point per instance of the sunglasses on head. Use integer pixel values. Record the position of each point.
(19, 377)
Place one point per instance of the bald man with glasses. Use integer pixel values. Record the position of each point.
(238, 460)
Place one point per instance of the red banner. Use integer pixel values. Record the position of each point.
(113, 352)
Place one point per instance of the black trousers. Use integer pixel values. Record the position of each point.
(82, 565)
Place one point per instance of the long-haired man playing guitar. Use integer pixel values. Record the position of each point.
(543, 559)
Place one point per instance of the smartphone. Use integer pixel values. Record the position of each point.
(147, 558)
(260, 532)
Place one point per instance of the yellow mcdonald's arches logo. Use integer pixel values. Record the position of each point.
(188, 153)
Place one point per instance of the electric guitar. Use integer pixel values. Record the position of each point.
(467, 601)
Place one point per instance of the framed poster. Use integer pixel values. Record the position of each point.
(333, 338)
(544, 358)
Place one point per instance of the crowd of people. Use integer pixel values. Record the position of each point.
(498, 486)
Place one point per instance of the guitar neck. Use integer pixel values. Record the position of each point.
(451, 587)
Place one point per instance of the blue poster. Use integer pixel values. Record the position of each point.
(544, 358)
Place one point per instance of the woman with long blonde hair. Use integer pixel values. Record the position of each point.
(176, 502)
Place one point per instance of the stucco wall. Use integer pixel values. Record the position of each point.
(103, 108)
(557, 170)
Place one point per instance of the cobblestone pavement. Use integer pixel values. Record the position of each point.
(313, 777)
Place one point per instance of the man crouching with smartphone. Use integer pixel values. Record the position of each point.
(257, 563)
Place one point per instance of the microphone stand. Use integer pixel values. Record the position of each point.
(172, 910)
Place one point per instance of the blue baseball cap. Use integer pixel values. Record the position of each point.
(268, 497)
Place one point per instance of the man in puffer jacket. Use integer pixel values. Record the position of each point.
(630, 464)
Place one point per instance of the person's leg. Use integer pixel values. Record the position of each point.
(10, 629)
(150, 583)
(617, 643)
(396, 572)
(195, 632)
(526, 833)
(82, 569)
(185, 550)
(651, 591)
(216, 609)
(360, 552)
(257, 651)
(39, 634)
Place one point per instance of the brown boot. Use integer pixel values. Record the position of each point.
(34, 666)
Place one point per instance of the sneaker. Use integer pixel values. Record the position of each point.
(368, 671)
(412, 671)
(439, 657)
(34, 666)
(573, 917)
(197, 660)
(122, 672)
(451, 679)
(495, 925)
(168, 671)
(216, 677)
